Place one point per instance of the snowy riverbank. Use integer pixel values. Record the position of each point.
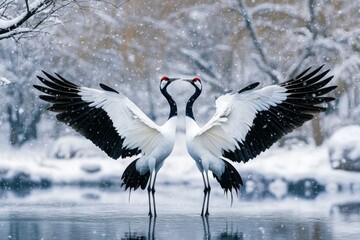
(302, 170)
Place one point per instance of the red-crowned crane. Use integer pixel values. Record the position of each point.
(248, 122)
(117, 126)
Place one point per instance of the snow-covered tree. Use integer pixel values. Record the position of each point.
(23, 21)
(288, 37)
(26, 18)
(130, 45)
(20, 109)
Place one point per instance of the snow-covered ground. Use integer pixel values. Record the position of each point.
(277, 171)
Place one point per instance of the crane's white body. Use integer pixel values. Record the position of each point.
(163, 148)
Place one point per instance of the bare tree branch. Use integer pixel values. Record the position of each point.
(308, 51)
(24, 17)
(27, 5)
(15, 21)
(265, 66)
(205, 67)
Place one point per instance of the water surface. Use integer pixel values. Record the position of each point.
(109, 215)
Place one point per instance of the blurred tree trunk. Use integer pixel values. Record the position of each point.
(20, 131)
(152, 113)
(317, 133)
(23, 124)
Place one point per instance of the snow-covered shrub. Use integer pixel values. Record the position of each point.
(68, 147)
(344, 148)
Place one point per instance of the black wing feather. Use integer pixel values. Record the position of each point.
(230, 179)
(251, 86)
(93, 123)
(132, 178)
(306, 92)
(107, 88)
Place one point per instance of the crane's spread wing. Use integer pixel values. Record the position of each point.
(250, 121)
(109, 119)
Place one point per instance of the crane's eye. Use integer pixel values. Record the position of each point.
(196, 79)
(164, 78)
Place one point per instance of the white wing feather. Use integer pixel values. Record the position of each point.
(129, 121)
(234, 117)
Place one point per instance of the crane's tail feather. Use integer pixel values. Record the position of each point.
(230, 179)
(132, 178)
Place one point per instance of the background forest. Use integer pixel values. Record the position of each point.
(54, 184)
(130, 45)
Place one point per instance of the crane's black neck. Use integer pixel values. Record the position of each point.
(172, 103)
(190, 103)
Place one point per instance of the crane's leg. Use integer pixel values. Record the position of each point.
(202, 209)
(208, 197)
(206, 226)
(149, 197)
(151, 229)
(206, 193)
(153, 191)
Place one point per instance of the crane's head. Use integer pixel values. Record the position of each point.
(165, 82)
(196, 82)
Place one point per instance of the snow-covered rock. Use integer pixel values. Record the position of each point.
(69, 147)
(4, 81)
(344, 149)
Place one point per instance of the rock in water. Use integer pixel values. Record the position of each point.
(344, 149)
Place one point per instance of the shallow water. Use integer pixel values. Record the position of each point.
(109, 215)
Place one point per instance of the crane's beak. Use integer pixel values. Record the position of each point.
(174, 79)
(187, 80)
